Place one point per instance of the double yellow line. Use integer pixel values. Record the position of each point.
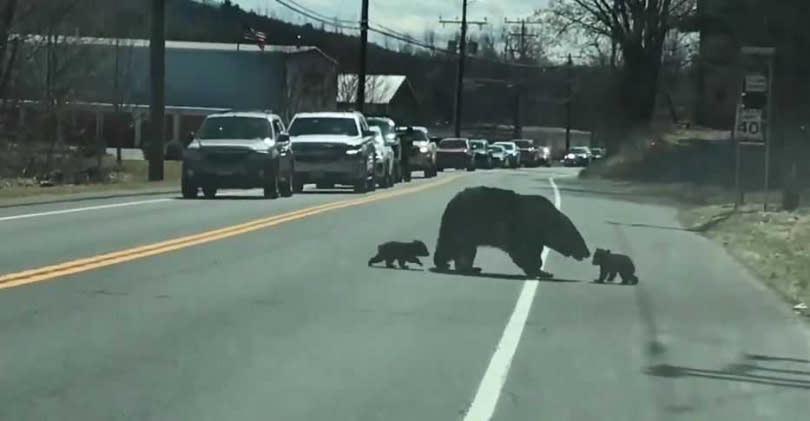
(82, 265)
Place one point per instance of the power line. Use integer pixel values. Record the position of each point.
(316, 13)
(378, 29)
(325, 21)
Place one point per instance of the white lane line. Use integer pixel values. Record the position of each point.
(486, 399)
(75, 210)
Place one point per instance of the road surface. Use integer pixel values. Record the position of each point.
(244, 309)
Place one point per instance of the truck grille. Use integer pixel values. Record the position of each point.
(319, 152)
(226, 155)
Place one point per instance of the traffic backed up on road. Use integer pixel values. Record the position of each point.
(498, 154)
(239, 150)
(333, 148)
(423, 152)
(578, 156)
(483, 157)
(389, 132)
(511, 154)
(529, 154)
(455, 153)
(384, 159)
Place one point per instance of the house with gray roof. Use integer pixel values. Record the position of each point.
(390, 95)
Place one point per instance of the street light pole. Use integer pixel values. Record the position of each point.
(157, 73)
(460, 81)
(361, 76)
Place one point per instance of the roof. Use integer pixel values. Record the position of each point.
(190, 45)
(251, 114)
(380, 89)
(330, 114)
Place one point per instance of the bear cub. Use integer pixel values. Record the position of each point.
(401, 252)
(611, 264)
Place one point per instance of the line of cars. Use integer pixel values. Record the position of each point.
(254, 149)
(471, 154)
(582, 156)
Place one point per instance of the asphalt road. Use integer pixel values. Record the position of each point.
(282, 319)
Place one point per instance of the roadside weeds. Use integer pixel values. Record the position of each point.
(774, 245)
(131, 180)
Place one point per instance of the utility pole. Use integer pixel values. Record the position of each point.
(361, 77)
(613, 43)
(462, 43)
(157, 73)
(523, 37)
(568, 101)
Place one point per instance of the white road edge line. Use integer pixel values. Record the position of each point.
(483, 405)
(74, 210)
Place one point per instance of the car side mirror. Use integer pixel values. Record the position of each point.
(283, 138)
(368, 133)
(190, 136)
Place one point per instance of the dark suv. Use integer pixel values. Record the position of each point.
(455, 153)
(239, 150)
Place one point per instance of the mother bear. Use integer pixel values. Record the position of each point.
(521, 225)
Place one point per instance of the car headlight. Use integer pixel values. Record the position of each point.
(354, 151)
(570, 156)
(423, 149)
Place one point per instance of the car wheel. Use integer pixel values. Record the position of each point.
(209, 192)
(372, 183)
(188, 190)
(271, 186)
(287, 189)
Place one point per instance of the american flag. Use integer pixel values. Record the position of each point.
(254, 35)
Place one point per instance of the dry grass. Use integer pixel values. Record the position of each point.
(131, 175)
(773, 245)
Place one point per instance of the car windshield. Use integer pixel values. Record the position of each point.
(453, 144)
(578, 150)
(234, 128)
(386, 127)
(416, 136)
(507, 146)
(303, 126)
(523, 144)
(478, 145)
(496, 149)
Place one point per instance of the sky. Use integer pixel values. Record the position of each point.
(413, 17)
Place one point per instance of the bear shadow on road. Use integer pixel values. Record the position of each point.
(611, 284)
(511, 277)
(409, 268)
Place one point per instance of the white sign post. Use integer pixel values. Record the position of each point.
(752, 125)
(749, 125)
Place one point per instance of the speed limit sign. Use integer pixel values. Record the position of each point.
(749, 125)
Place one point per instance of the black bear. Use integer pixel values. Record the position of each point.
(521, 225)
(402, 252)
(611, 264)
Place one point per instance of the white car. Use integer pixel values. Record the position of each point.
(512, 154)
(334, 148)
(384, 159)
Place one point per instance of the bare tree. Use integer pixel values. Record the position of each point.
(429, 38)
(347, 88)
(640, 29)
